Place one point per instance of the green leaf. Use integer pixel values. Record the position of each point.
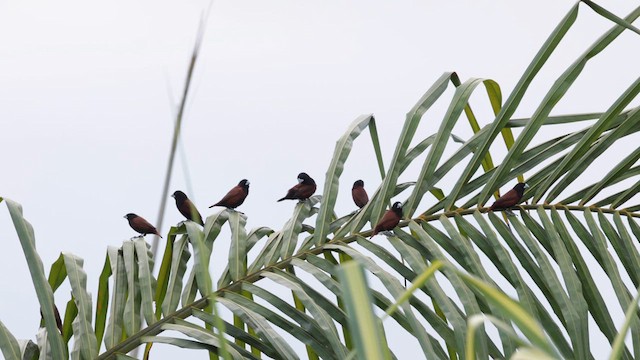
(529, 327)
(238, 247)
(415, 285)
(456, 106)
(237, 333)
(201, 257)
(115, 322)
(332, 177)
(561, 86)
(70, 314)
(630, 315)
(179, 260)
(509, 109)
(366, 328)
(293, 226)
(164, 273)
(262, 327)
(146, 280)
(85, 344)
(9, 344)
(131, 319)
(322, 310)
(43, 345)
(29, 350)
(617, 173)
(380, 199)
(611, 16)
(182, 343)
(203, 335)
(36, 269)
(57, 273)
(587, 150)
(102, 301)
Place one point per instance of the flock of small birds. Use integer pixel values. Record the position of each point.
(305, 187)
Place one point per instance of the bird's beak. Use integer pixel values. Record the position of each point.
(125, 216)
(526, 186)
(248, 183)
(173, 196)
(300, 181)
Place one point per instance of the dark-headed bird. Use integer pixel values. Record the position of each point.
(390, 219)
(359, 194)
(303, 190)
(140, 225)
(186, 207)
(510, 198)
(235, 197)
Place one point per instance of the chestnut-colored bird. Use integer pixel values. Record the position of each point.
(390, 219)
(186, 207)
(235, 197)
(359, 194)
(140, 225)
(303, 190)
(510, 198)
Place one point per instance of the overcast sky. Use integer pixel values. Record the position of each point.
(88, 93)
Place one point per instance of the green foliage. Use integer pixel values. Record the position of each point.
(444, 275)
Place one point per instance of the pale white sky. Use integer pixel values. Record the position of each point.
(86, 93)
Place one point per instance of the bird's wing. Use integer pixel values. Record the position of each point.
(233, 196)
(509, 199)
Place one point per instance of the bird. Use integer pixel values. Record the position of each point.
(510, 198)
(359, 194)
(303, 190)
(235, 197)
(186, 207)
(390, 219)
(139, 224)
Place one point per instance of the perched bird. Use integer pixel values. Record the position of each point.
(303, 190)
(390, 219)
(186, 207)
(139, 224)
(510, 198)
(235, 197)
(359, 194)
